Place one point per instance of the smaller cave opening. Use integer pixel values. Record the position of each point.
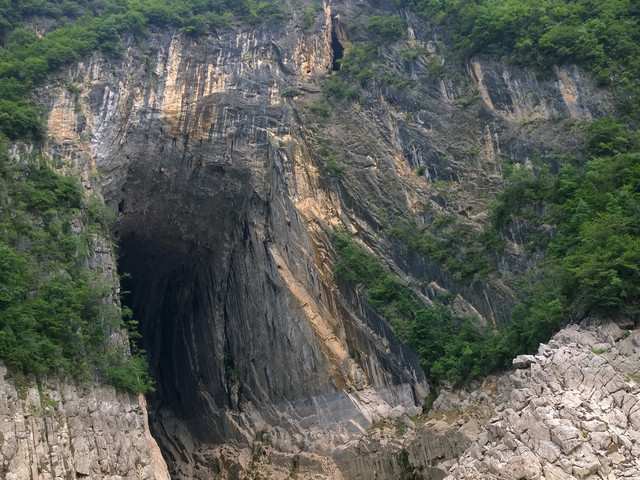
(337, 49)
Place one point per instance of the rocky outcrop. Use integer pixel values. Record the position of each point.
(571, 411)
(212, 151)
(55, 430)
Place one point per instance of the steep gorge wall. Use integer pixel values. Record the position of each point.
(224, 210)
(216, 203)
(57, 430)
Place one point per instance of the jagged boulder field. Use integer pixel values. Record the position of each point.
(570, 411)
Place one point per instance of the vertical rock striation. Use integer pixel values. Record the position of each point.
(262, 362)
(56, 430)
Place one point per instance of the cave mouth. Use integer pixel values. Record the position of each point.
(337, 49)
(156, 273)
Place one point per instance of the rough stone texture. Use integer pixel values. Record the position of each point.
(223, 219)
(526, 423)
(59, 431)
(224, 207)
(581, 394)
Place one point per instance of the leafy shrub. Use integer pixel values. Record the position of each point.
(333, 167)
(450, 242)
(448, 347)
(54, 310)
(337, 87)
(320, 109)
(386, 29)
(290, 92)
(129, 372)
(309, 18)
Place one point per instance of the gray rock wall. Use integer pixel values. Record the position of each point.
(54, 430)
(224, 207)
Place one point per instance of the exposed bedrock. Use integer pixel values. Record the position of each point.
(224, 209)
(227, 256)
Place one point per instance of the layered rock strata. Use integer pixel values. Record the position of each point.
(213, 153)
(54, 430)
(572, 411)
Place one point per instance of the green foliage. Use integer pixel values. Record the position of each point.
(54, 310)
(429, 401)
(320, 109)
(448, 347)
(338, 88)
(26, 59)
(435, 68)
(408, 471)
(449, 241)
(601, 36)
(290, 92)
(334, 167)
(412, 53)
(386, 29)
(523, 197)
(360, 61)
(606, 136)
(594, 255)
(309, 18)
(129, 372)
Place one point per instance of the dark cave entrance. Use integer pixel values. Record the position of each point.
(177, 265)
(337, 49)
(152, 273)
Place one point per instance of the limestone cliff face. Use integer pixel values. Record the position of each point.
(56, 430)
(570, 411)
(209, 151)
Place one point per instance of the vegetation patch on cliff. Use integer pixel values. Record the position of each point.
(601, 36)
(447, 239)
(449, 347)
(54, 309)
(593, 248)
(76, 30)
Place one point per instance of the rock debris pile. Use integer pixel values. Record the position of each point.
(571, 411)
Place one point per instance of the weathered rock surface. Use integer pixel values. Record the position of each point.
(263, 363)
(58, 431)
(572, 413)
(223, 219)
